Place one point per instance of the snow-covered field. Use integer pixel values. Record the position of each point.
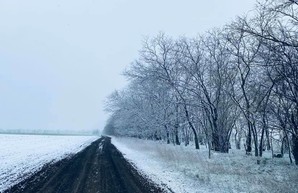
(186, 170)
(22, 155)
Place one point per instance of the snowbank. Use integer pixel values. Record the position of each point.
(22, 155)
(186, 170)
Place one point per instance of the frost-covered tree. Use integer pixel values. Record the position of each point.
(241, 79)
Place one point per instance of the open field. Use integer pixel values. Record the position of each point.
(23, 155)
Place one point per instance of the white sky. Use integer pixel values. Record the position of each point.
(60, 59)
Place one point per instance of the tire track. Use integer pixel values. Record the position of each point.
(99, 168)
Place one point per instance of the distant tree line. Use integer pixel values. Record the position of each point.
(237, 82)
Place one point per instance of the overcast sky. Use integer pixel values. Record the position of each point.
(60, 59)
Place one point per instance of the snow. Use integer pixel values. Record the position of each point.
(22, 155)
(186, 170)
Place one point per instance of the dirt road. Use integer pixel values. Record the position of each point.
(100, 168)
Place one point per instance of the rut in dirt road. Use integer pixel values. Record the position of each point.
(100, 168)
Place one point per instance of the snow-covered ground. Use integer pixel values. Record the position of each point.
(22, 155)
(186, 170)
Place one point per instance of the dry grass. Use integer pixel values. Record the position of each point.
(233, 172)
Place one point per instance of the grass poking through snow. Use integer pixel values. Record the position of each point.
(184, 169)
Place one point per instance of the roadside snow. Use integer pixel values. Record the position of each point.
(186, 170)
(22, 155)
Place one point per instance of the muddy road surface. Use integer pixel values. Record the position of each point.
(100, 168)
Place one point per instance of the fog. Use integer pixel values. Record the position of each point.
(60, 59)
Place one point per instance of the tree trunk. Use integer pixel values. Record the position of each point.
(282, 149)
(261, 142)
(167, 133)
(268, 139)
(248, 142)
(197, 146)
(237, 140)
(255, 137)
(177, 142)
(220, 141)
(224, 144)
(295, 148)
(289, 147)
(196, 139)
(215, 141)
(209, 149)
(186, 138)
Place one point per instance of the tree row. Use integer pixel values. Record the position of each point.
(238, 83)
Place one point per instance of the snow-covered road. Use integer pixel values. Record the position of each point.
(99, 168)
